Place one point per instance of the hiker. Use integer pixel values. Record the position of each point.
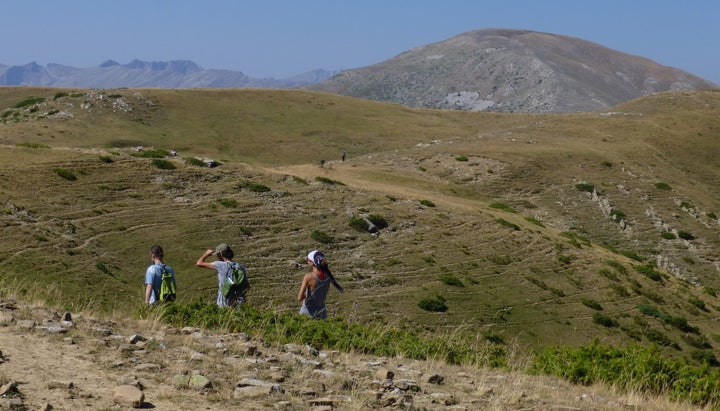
(154, 276)
(315, 286)
(224, 267)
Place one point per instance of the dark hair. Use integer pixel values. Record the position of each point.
(228, 253)
(157, 251)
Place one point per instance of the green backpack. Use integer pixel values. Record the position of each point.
(167, 286)
(236, 283)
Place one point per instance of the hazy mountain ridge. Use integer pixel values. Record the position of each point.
(511, 71)
(138, 74)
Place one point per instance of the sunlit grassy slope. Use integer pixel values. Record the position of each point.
(540, 229)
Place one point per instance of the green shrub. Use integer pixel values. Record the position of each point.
(427, 203)
(321, 237)
(163, 164)
(508, 224)
(378, 221)
(591, 304)
(151, 154)
(228, 202)
(604, 320)
(194, 161)
(255, 187)
(617, 215)
(649, 272)
(685, 235)
(663, 186)
(711, 215)
(586, 187)
(66, 174)
(607, 164)
(534, 221)
(667, 235)
(433, 304)
(359, 224)
(617, 266)
(451, 280)
(60, 94)
(328, 181)
(106, 159)
(634, 368)
(501, 206)
(461, 158)
(29, 102)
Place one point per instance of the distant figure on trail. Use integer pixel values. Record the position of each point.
(315, 286)
(225, 267)
(344, 154)
(154, 276)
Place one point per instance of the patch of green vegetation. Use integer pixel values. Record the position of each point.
(667, 235)
(503, 207)
(378, 221)
(338, 333)
(194, 161)
(451, 280)
(505, 223)
(638, 368)
(228, 202)
(649, 271)
(106, 159)
(60, 94)
(617, 215)
(329, 181)
(321, 237)
(163, 164)
(711, 215)
(586, 187)
(663, 186)
(535, 221)
(590, 303)
(434, 304)
(359, 223)
(151, 154)
(66, 174)
(461, 158)
(30, 101)
(254, 187)
(607, 164)
(427, 203)
(604, 320)
(685, 235)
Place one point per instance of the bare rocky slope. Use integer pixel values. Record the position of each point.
(67, 361)
(511, 71)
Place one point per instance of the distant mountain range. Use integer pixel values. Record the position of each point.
(511, 71)
(483, 70)
(144, 74)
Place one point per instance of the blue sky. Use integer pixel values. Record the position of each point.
(281, 38)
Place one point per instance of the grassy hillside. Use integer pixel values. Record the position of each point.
(535, 229)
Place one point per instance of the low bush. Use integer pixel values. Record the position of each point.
(451, 280)
(321, 237)
(501, 206)
(359, 224)
(663, 186)
(66, 174)
(585, 187)
(635, 368)
(507, 223)
(433, 304)
(163, 164)
(427, 203)
(29, 102)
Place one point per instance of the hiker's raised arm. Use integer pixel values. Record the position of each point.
(201, 261)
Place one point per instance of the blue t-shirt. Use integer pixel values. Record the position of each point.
(153, 275)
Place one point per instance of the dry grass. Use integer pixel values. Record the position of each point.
(89, 237)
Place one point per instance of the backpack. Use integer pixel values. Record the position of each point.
(236, 283)
(167, 286)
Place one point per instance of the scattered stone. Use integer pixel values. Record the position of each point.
(128, 395)
(135, 338)
(384, 374)
(25, 324)
(436, 379)
(200, 382)
(6, 318)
